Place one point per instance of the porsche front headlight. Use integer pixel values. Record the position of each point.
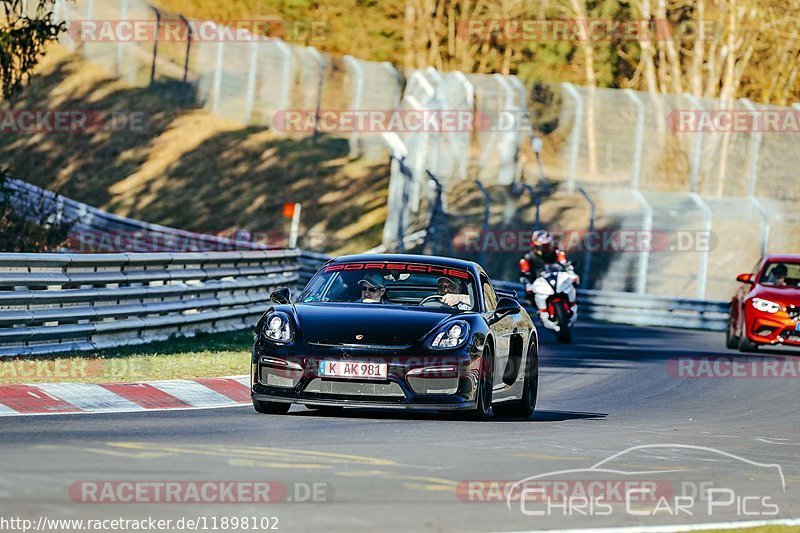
(766, 306)
(451, 335)
(278, 327)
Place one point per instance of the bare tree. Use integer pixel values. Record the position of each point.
(25, 30)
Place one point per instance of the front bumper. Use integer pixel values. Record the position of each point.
(772, 328)
(431, 381)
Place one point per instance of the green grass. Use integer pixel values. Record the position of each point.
(205, 355)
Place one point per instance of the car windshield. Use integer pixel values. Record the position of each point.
(781, 274)
(393, 284)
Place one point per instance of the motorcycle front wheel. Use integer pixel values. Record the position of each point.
(562, 319)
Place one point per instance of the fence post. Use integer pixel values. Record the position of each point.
(587, 262)
(765, 220)
(250, 101)
(357, 73)
(636, 168)
(697, 147)
(318, 57)
(218, 74)
(189, 34)
(644, 258)
(508, 146)
(286, 80)
(155, 44)
(487, 211)
(755, 148)
(123, 15)
(575, 135)
(703, 275)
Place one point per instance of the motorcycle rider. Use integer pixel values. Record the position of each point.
(545, 252)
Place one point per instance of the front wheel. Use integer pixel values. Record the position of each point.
(525, 406)
(271, 408)
(485, 385)
(731, 340)
(562, 319)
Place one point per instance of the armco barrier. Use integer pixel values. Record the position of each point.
(619, 307)
(641, 310)
(51, 303)
(106, 232)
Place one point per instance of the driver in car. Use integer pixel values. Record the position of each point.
(372, 289)
(450, 292)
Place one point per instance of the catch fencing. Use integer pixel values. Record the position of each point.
(52, 303)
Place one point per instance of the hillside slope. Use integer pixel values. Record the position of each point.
(189, 169)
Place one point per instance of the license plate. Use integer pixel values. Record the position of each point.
(353, 370)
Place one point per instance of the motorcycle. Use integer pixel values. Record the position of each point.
(554, 294)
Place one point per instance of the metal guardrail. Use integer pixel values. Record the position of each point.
(51, 303)
(95, 230)
(607, 306)
(639, 310)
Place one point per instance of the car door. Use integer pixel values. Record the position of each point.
(502, 330)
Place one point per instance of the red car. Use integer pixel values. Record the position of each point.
(766, 308)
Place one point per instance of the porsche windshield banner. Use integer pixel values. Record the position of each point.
(400, 267)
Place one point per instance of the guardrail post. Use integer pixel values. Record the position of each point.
(636, 167)
(644, 257)
(755, 149)
(697, 148)
(765, 220)
(575, 136)
(587, 262)
(703, 275)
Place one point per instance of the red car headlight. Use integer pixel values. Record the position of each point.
(767, 306)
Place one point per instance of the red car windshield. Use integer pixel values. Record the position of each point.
(781, 274)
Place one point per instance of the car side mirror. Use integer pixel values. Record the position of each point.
(745, 278)
(505, 306)
(281, 296)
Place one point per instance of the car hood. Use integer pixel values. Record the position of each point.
(784, 296)
(336, 323)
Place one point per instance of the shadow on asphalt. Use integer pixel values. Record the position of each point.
(378, 414)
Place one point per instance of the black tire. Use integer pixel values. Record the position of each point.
(271, 408)
(562, 319)
(746, 345)
(731, 340)
(325, 409)
(482, 410)
(525, 406)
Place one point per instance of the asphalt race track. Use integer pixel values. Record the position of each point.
(614, 388)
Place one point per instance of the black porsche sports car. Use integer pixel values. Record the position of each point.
(403, 331)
